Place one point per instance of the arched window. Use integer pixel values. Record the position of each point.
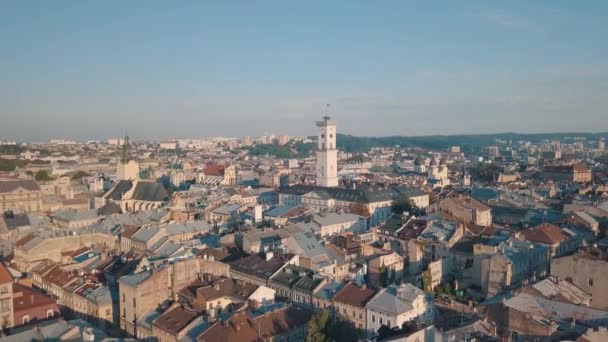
(25, 319)
(50, 314)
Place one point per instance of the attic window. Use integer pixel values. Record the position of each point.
(590, 281)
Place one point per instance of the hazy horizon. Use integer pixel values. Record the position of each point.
(91, 70)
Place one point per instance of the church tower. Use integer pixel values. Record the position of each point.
(127, 168)
(327, 155)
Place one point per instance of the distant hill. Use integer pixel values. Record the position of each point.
(468, 143)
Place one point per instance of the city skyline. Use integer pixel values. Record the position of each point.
(87, 71)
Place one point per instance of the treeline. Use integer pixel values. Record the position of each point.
(12, 164)
(291, 150)
(468, 143)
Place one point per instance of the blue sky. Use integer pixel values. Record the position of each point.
(161, 69)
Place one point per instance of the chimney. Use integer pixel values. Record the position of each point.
(363, 286)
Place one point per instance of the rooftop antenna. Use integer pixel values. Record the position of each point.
(327, 117)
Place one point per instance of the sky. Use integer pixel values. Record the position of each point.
(166, 69)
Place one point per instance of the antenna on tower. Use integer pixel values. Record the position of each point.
(327, 117)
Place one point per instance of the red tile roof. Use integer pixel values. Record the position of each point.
(25, 298)
(5, 275)
(243, 327)
(545, 233)
(353, 295)
(214, 170)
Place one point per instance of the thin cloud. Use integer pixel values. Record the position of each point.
(510, 21)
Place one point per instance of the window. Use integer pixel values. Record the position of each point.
(25, 319)
(354, 313)
(373, 318)
(380, 320)
(123, 297)
(4, 289)
(360, 315)
(108, 312)
(344, 311)
(5, 305)
(590, 281)
(133, 302)
(50, 314)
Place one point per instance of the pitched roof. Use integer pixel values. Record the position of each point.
(258, 266)
(5, 275)
(389, 300)
(215, 170)
(353, 295)
(149, 192)
(118, 189)
(12, 185)
(244, 327)
(26, 298)
(545, 233)
(175, 320)
(225, 287)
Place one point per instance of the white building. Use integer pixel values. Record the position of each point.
(327, 155)
(438, 174)
(396, 305)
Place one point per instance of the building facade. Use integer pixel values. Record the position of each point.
(327, 154)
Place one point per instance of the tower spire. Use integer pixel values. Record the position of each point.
(126, 149)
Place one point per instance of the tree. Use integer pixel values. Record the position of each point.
(43, 176)
(80, 174)
(317, 326)
(340, 330)
(322, 329)
(384, 276)
(401, 205)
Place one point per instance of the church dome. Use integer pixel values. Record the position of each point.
(418, 161)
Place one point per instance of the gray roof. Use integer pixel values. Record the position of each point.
(73, 215)
(188, 227)
(328, 290)
(134, 280)
(438, 230)
(15, 221)
(542, 308)
(305, 244)
(389, 302)
(149, 192)
(118, 189)
(334, 218)
(227, 209)
(100, 295)
(145, 234)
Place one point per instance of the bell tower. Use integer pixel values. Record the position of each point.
(327, 154)
(127, 168)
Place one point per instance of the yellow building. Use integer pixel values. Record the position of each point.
(20, 195)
